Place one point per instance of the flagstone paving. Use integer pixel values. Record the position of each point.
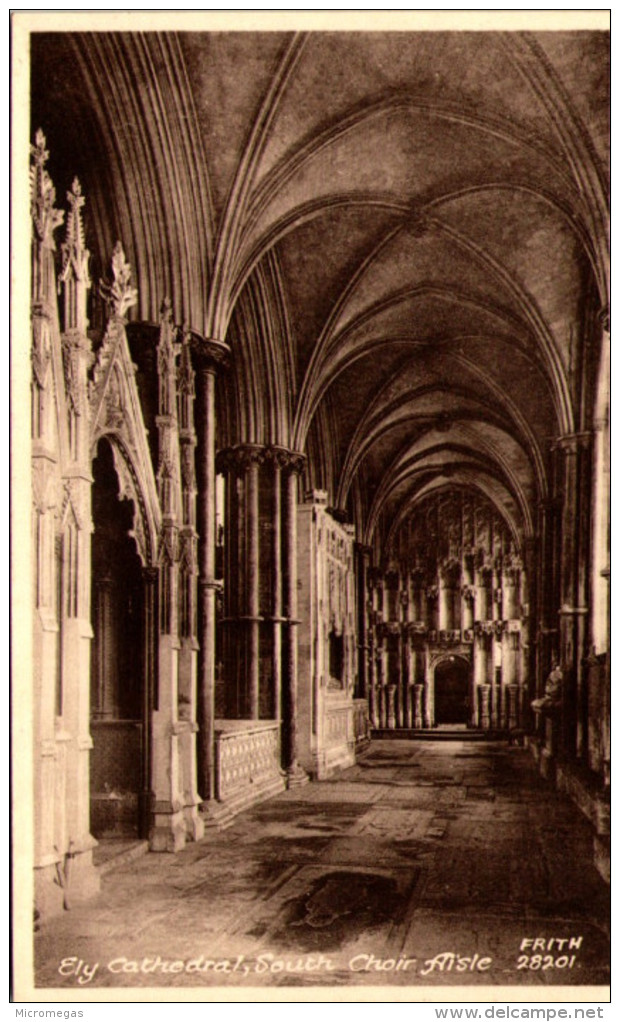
(426, 864)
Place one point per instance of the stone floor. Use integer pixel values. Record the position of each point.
(428, 863)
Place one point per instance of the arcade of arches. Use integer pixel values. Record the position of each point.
(320, 394)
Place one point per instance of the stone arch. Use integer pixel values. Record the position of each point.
(452, 688)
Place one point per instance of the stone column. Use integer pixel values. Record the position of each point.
(209, 355)
(479, 650)
(417, 692)
(391, 707)
(372, 683)
(485, 709)
(548, 645)
(384, 676)
(400, 679)
(601, 499)
(431, 598)
(408, 682)
(404, 657)
(165, 731)
(429, 693)
(467, 607)
(362, 563)
(234, 560)
(509, 640)
(188, 652)
(252, 461)
(574, 453)
(279, 459)
(445, 617)
(479, 654)
(373, 692)
(295, 773)
(148, 820)
(512, 712)
(496, 689)
(529, 603)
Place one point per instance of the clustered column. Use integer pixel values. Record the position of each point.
(295, 774)
(363, 659)
(209, 355)
(260, 588)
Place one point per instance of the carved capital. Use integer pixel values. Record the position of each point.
(239, 459)
(209, 353)
(296, 463)
(571, 443)
(285, 459)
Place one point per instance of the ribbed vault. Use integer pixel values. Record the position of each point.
(401, 236)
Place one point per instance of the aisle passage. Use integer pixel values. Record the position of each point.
(427, 863)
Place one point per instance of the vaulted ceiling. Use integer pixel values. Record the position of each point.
(403, 236)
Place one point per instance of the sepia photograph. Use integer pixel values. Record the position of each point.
(311, 505)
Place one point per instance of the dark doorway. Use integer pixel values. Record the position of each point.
(452, 691)
(116, 662)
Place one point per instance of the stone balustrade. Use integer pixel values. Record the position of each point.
(361, 723)
(247, 762)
